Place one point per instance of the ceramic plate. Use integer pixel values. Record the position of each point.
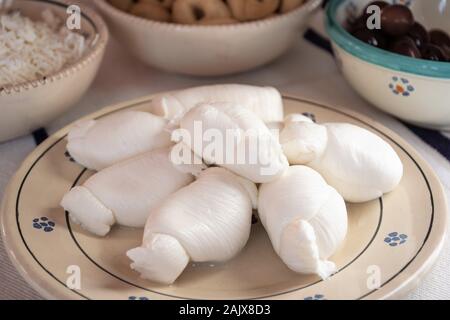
(392, 242)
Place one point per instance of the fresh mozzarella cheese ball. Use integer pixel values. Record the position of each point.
(233, 137)
(302, 142)
(357, 163)
(125, 193)
(207, 221)
(265, 102)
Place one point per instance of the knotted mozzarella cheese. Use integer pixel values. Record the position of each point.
(233, 137)
(357, 163)
(209, 220)
(265, 102)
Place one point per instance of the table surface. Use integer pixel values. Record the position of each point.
(307, 71)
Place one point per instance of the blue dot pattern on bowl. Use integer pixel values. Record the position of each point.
(137, 298)
(44, 224)
(395, 239)
(316, 297)
(401, 87)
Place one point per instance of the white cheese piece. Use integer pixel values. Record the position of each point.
(233, 137)
(265, 102)
(98, 144)
(306, 220)
(125, 193)
(357, 163)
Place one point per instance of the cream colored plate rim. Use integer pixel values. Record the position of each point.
(395, 287)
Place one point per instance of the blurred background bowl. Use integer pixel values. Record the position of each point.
(415, 90)
(30, 105)
(208, 50)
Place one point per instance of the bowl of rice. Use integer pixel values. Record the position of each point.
(50, 52)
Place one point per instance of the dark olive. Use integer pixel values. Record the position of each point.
(419, 34)
(447, 51)
(380, 4)
(405, 46)
(434, 53)
(359, 23)
(396, 20)
(401, 34)
(373, 37)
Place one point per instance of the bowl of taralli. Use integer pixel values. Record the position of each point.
(207, 37)
(45, 67)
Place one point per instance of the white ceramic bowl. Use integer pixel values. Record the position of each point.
(208, 50)
(30, 105)
(415, 90)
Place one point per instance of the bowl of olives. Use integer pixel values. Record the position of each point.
(396, 55)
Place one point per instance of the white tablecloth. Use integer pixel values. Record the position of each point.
(305, 71)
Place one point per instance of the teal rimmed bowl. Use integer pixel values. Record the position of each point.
(415, 90)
